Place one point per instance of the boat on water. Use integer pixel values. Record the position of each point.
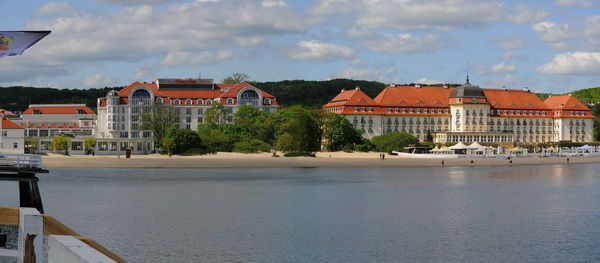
(27, 234)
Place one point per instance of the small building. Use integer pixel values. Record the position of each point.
(12, 140)
(43, 122)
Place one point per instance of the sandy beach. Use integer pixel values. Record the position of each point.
(265, 160)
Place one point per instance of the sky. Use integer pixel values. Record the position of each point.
(544, 45)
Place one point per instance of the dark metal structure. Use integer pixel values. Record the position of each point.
(29, 192)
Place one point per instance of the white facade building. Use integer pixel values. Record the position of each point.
(12, 138)
(119, 123)
(466, 114)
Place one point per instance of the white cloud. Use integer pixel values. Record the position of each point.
(573, 63)
(527, 14)
(136, 33)
(54, 8)
(145, 73)
(97, 81)
(442, 14)
(563, 45)
(550, 32)
(592, 26)
(503, 67)
(575, 3)
(509, 43)
(175, 59)
(315, 50)
(358, 74)
(329, 7)
(427, 81)
(396, 43)
(137, 2)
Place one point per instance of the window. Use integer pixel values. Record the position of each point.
(229, 101)
(188, 119)
(124, 134)
(16, 145)
(43, 133)
(33, 133)
(80, 112)
(176, 102)
(355, 109)
(188, 102)
(140, 97)
(200, 111)
(37, 112)
(147, 134)
(208, 102)
(159, 100)
(200, 102)
(266, 101)
(249, 97)
(199, 119)
(188, 111)
(4, 133)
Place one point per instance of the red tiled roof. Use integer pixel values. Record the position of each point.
(43, 126)
(58, 110)
(514, 99)
(411, 96)
(566, 102)
(8, 124)
(355, 97)
(53, 125)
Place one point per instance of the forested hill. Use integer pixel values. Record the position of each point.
(288, 92)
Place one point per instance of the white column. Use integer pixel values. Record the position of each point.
(31, 233)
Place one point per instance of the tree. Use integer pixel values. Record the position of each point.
(236, 78)
(168, 145)
(300, 132)
(159, 120)
(89, 143)
(182, 140)
(339, 132)
(393, 141)
(61, 144)
(214, 139)
(429, 137)
(215, 115)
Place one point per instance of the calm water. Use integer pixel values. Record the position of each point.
(472, 214)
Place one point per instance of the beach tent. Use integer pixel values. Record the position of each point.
(435, 150)
(516, 149)
(458, 146)
(445, 149)
(552, 149)
(476, 146)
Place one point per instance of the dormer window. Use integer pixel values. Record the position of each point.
(229, 101)
(176, 102)
(159, 100)
(37, 112)
(209, 102)
(200, 102)
(474, 100)
(80, 112)
(355, 109)
(266, 101)
(370, 109)
(188, 102)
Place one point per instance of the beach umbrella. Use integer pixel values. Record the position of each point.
(436, 149)
(14, 43)
(445, 149)
(476, 146)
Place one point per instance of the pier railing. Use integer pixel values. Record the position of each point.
(64, 245)
(21, 161)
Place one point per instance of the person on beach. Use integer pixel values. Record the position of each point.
(567, 159)
(443, 163)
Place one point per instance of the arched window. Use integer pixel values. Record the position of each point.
(200, 102)
(267, 101)
(140, 97)
(159, 100)
(249, 97)
(230, 101)
(176, 102)
(208, 102)
(188, 102)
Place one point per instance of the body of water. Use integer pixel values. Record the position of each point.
(548, 213)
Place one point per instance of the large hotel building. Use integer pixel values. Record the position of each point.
(119, 121)
(466, 113)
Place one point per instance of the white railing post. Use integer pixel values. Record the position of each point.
(31, 233)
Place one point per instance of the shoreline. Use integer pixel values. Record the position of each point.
(265, 160)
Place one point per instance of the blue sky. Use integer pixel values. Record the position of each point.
(545, 45)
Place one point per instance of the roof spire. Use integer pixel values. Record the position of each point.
(468, 73)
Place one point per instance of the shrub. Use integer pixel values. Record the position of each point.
(347, 149)
(393, 141)
(365, 146)
(251, 146)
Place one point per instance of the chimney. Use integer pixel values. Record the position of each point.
(418, 86)
(445, 86)
(343, 90)
(357, 88)
(393, 85)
